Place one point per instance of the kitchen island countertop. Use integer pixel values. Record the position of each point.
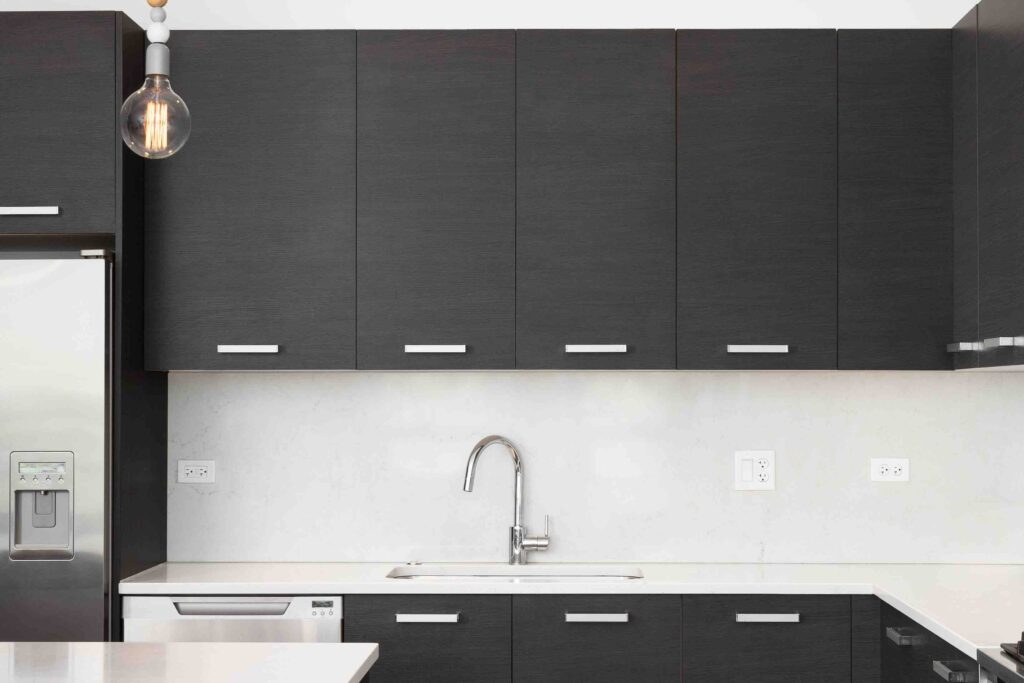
(184, 662)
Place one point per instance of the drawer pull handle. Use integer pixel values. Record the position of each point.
(427, 618)
(247, 348)
(757, 348)
(29, 210)
(903, 636)
(964, 347)
(955, 672)
(1002, 342)
(787, 618)
(596, 618)
(435, 348)
(596, 348)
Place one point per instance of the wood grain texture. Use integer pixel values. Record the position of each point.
(1001, 174)
(477, 648)
(595, 236)
(546, 648)
(59, 120)
(716, 649)
(251, 227)
(913, 663)
(895, 200)
(436, 198)
(865, 648)
(757, 198)
(139, 464)
(966, 323)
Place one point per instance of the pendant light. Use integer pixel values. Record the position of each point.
(155, 122)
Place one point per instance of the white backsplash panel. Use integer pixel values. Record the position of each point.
(631, 466)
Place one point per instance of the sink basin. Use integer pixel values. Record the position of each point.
(531, 573)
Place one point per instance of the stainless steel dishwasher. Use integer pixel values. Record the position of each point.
(235, 619)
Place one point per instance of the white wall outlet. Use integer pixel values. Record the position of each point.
(890, 469)
(755, 470)
(196, 471)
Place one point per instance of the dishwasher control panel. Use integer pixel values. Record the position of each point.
(324, 608)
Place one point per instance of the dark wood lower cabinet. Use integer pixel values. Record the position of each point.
(740, 638)
(475, 648)
(910, 651)
(596, 638)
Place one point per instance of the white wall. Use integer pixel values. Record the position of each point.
(277, 14)
(630, 466)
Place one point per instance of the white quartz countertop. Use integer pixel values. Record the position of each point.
(969, 606)
(184, 662)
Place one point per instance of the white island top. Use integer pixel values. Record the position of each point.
(184, 662)
(969, 606)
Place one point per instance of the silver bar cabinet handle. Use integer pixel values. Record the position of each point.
(963, 347)
(247, 348)
(1002, 342)
(596, 348)
(596, 618)
(902, 636)
(787, 618)
(955, 672)
(435, 348)
(29, 210)
(231, 609)
(427, 618)
(757, 348)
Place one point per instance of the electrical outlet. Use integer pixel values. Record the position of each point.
(755, 470)
(196, 471)
(890, 469)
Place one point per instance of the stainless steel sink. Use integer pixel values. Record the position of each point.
(531, 573)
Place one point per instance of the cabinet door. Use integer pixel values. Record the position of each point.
(436, 247)
(434, 638)
(895, 207)
(595, 235)
(910, 651)
(766, 638)
(1001, 176)
(58, 122)
(596, 638)
(966, 325)
(757, 199)
(250, 228)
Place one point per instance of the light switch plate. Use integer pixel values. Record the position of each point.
(196, 471)
(755, 470)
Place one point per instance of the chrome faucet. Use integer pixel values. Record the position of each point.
(519, 542)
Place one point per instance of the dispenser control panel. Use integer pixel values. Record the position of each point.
(42, 494)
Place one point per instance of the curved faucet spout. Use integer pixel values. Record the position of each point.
(516, 462)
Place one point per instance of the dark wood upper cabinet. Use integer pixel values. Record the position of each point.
(596, 638)
(1001, 176)
(436, 198)
(595, 210)
(966, 324)
(60, 91)
(757, 199)
(474, 647)
(251, 226)
(728, 638)
(895, 200)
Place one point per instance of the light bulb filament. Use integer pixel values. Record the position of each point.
(156, 125)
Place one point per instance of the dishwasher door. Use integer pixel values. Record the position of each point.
(235, 619)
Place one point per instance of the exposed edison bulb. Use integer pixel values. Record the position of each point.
(155, 122)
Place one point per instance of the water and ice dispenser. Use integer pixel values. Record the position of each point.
(42, 506)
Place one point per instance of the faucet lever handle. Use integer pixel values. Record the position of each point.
(547, 533)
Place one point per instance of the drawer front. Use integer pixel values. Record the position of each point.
(766, 638)
(427, 638)
(596, 638)
(910, 651)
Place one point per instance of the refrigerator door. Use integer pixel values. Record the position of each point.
(53, 465)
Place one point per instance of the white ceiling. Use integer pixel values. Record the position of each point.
(280, 14)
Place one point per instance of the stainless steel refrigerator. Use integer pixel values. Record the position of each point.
(54, 469)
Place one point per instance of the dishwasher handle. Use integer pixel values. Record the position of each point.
(231, 609)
